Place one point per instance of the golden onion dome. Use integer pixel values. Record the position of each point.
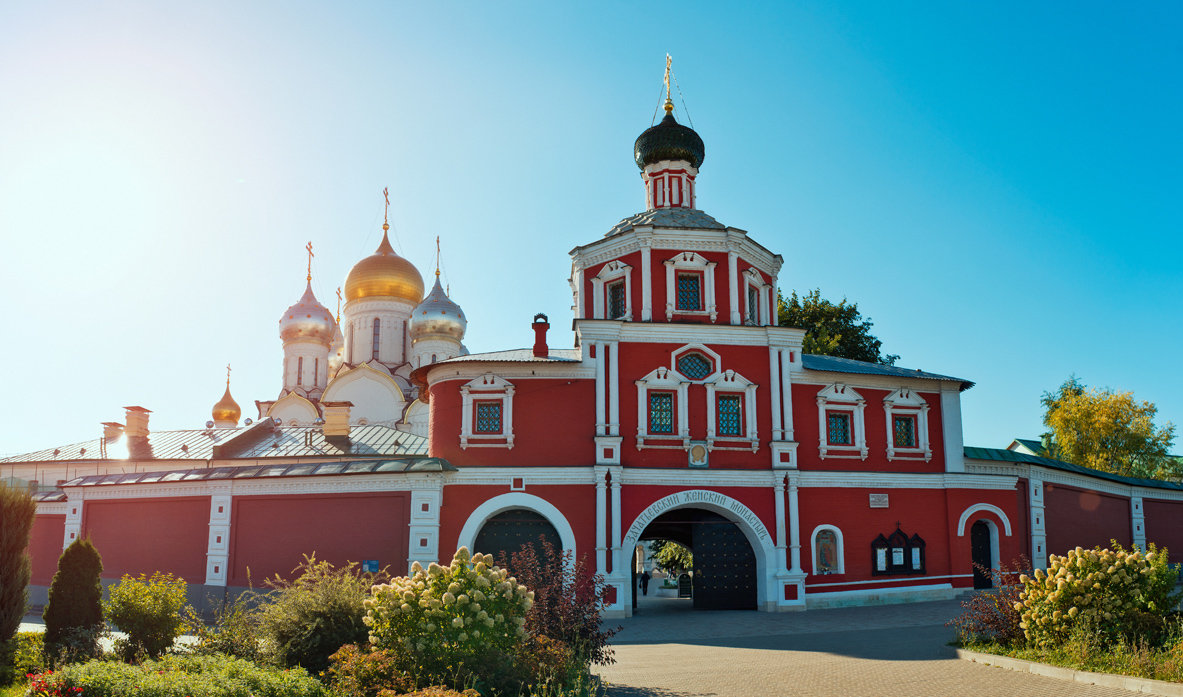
(336, 350)
(307, 320)
(227, 410)
(437, 317)
(384, 274)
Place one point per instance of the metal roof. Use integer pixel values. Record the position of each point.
(263, 439)
(519, 356)
(833, 364)
(399, 466)
(1002, 455)
(678, 218)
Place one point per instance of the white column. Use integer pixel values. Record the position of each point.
(217, 552)
(733, 286)
(617, 553)
(1038, 523)
(73, 528)
(951, 429)
(600, 379)
(423, 541)
(646, 285)
(601, 523)
(786, 395)
(778, 483)
(579, 294)
(1138, 522)
(614, 388)
(669, 290)
(794, 527)
(774, 391)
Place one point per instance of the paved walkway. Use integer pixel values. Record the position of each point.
(667, 650)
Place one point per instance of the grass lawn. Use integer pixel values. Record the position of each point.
(1122, 659)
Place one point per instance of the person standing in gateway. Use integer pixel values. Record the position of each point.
(645, 582)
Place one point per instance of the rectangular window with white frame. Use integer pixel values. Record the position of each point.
(689, 291)
(617, 301)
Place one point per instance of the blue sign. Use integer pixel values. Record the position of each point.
(370, 566)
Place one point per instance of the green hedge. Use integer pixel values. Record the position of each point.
(182, 676)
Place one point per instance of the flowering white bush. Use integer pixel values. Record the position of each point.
(446, 614)
(1108, 592)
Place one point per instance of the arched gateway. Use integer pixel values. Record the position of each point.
(718, 508)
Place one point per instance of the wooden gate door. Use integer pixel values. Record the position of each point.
(979, 543)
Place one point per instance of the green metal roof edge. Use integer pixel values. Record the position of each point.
(1003, 455)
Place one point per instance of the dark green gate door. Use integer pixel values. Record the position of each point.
(509, 530)
(724, 565)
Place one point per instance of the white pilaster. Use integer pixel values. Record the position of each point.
(1138, 522)
(617, 553)
(217, 552)
(600, 379)
(774, 390)
(778, 483)
(786, 394)
(646, 284)
(601, 522)
(733, 286)
(424, 535)
(1038, 524)
(73, 527)
(951, 429)
(794, 528)
(614, 388)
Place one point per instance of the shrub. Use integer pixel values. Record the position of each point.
(148, 609)
(17, 511)
(172, 676)
(437, 691)
(26, 655)
(450, 620)
(994, 616)
(306, 620)
(75, 594)
(234, 630)
(1105, 593)
(569, 599)
(356, 672)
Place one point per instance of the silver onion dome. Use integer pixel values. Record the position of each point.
(307, 320)
(437, 317)
(336, 349)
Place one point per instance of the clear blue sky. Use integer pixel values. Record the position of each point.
(996, 184)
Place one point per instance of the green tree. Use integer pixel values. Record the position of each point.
(149, 610)
(671, 557)
(17, 511)
(1108, 431)
(831, 329)
(75, 594)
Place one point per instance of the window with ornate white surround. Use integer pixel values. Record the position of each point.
(690, 286)
(841, 428)
(614, 280)
(731, 412)
(662, 413)
(756, 295)
(486, 419)
(907, 425)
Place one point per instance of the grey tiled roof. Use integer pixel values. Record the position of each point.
(519, 355)
(312, 469)
(1003, 455)
(833, 364)
(260, 440)
(686, 218)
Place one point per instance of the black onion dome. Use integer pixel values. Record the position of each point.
(669, 140)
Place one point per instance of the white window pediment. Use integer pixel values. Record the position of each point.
(907, 425)
(732, 382)
(663, 380)
(841, 402)
(695, 263)
(486, 392)
(613, 271)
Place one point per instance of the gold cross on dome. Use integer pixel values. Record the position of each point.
(227, 375)
(669, 103)
(386, 213)
(338, 304)
(310, 255)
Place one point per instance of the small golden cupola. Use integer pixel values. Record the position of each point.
(226, 412)
(384, 274)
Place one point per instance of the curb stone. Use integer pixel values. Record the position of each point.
(1084, 677)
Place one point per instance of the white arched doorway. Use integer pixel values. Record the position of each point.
(511, 501)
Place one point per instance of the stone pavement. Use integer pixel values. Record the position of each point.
(668, 651)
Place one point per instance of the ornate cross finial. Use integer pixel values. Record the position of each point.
(227, 376)
(669, 103)
(386, 213)
(310, 255)
(338, 304)
(437, 256)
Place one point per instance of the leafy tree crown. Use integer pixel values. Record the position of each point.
(831, 329)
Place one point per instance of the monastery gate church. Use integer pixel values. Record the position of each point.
(683, 412)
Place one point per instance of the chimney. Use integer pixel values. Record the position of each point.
(137, 422)
(336, 426)
(112, 431)
(540, 326)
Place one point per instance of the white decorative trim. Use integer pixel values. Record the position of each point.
(488, 387)
(646, 236)
(754, 279)
(840, 397)
(690, 261)
(217, 555)
(907, 402)
(730, 381)
(979, 508)
(610, 272)
(663, 379)
(841, 548)
(505, 502)
(424, 527)
(716, 361)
